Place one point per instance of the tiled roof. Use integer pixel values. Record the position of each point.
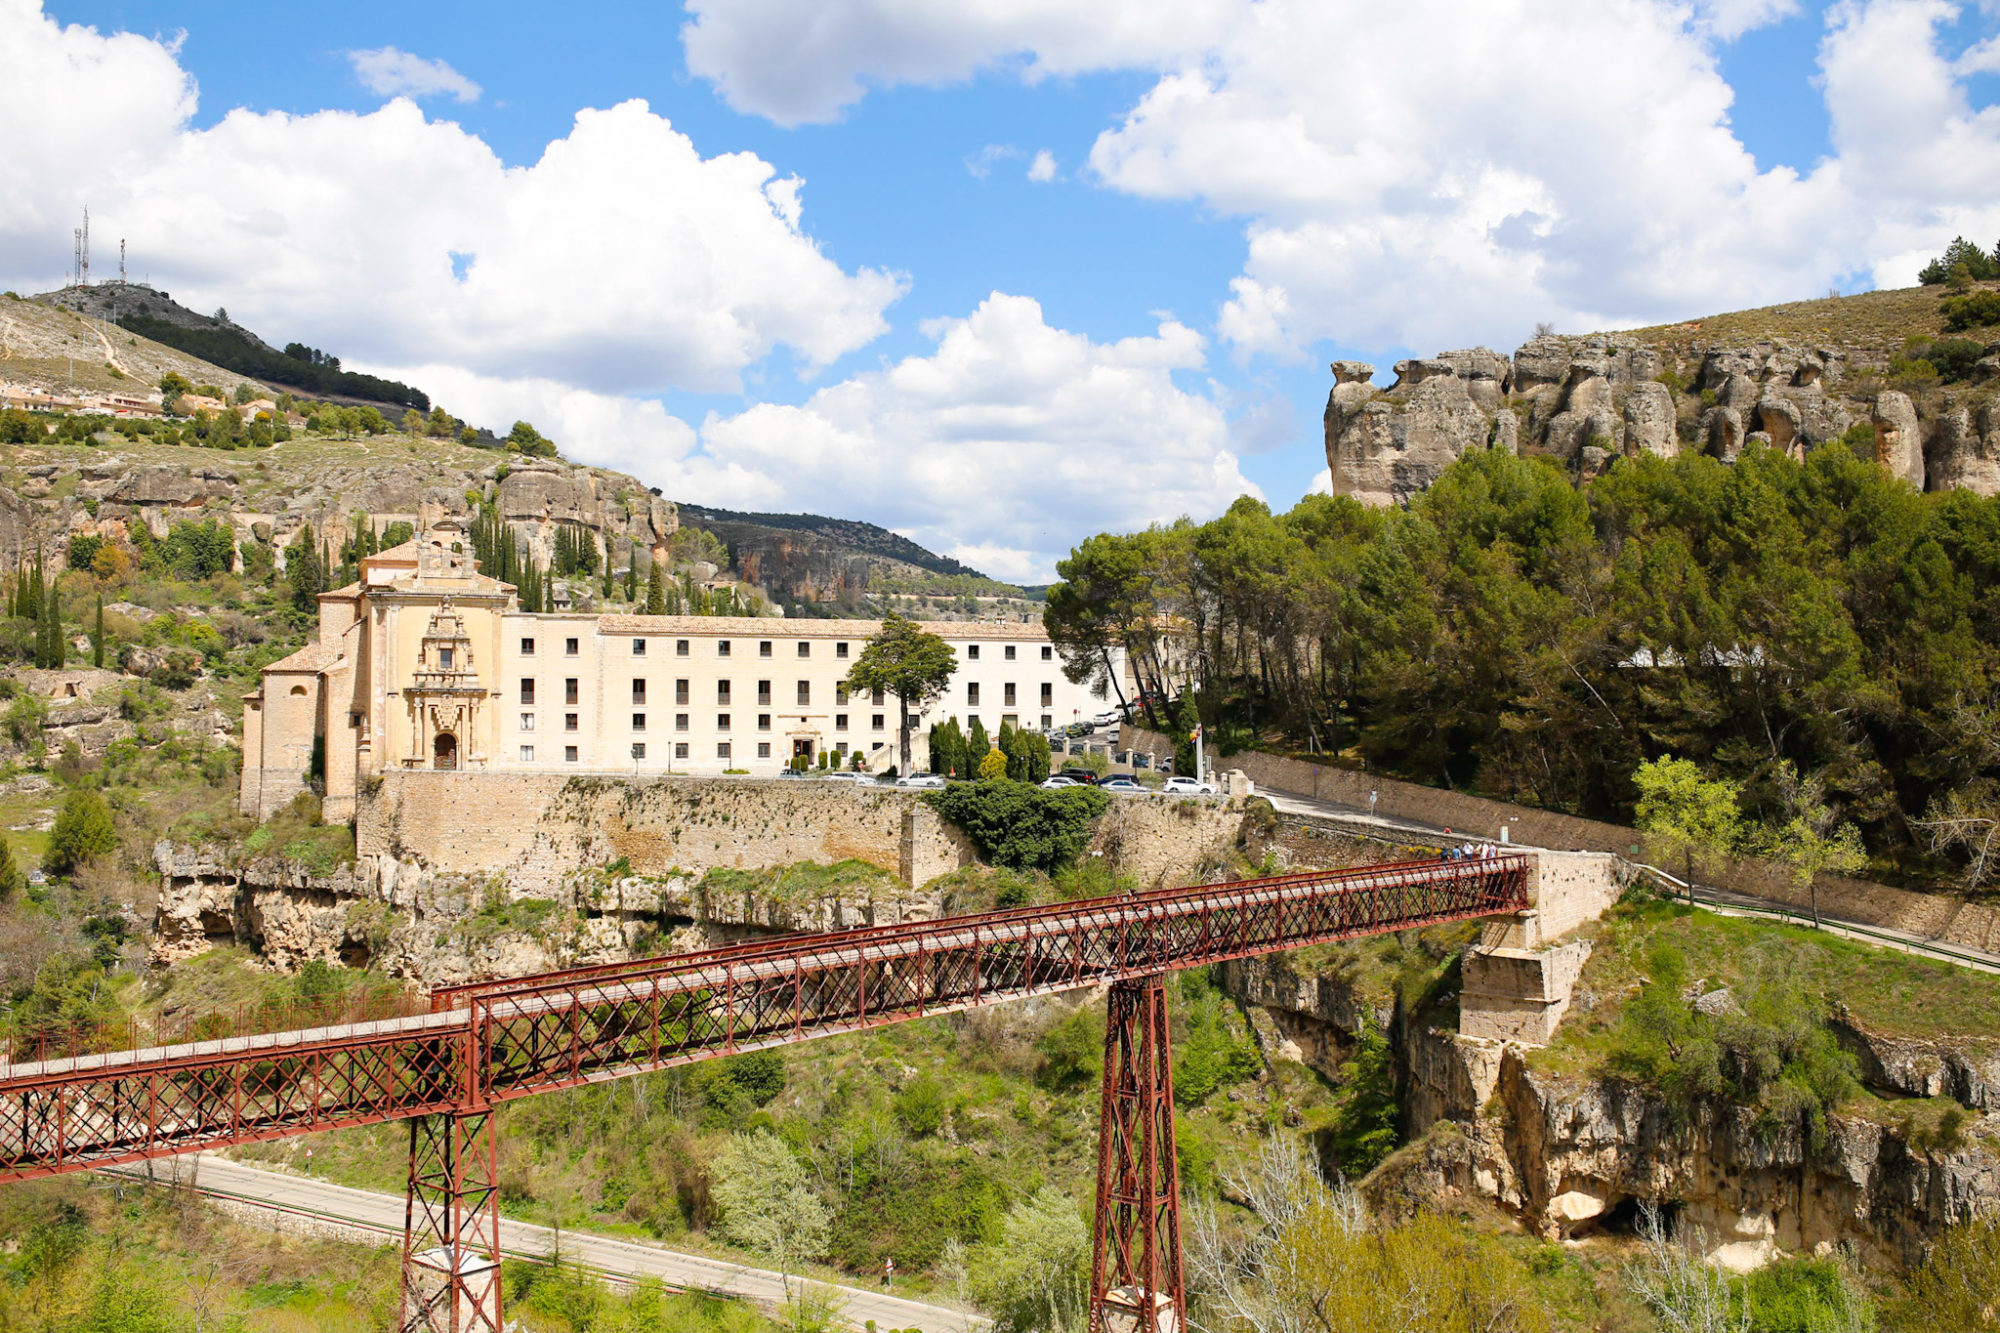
(312, 657)
(772, 627)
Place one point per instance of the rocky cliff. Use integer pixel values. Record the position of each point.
(1570, 1156)
(51, 492)
(1586, 400)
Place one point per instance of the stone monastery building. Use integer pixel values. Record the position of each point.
(427, 663)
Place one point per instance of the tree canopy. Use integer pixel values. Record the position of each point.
(910, 663)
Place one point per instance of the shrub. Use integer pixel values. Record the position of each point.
(1805, 1296)
(82, 833)
(1974, 310)
(1953, 1291)
(24, 719)
(920, 1105)
(1024, 827)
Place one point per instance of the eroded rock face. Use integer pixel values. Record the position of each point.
(1649, 420)
(1964, 451)
(1381, 452)
(1899, 441)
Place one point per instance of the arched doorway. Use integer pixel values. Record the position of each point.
(444, 751)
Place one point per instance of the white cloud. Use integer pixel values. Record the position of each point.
(981, 163)
(622, 261)
(796, 61)
(388, 72)
(1457, 172)
(1322, 482)
(1012, 440)
(1043, 168)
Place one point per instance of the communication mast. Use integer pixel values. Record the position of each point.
(121, 261)
(82, 235)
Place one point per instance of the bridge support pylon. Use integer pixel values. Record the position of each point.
(1137, 1282)
(451, 1226)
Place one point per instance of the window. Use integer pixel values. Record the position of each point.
(1007, 694)
(763, 749)
(722, 721)
(805, 648)
(722, 648)
(569, 648)
(876, 724)
(763, 691)
(569, 754)
(527, 721)
(444, 659)
(840, 649)
(569, 721)
(764, 648)
(763, 721)
(722, 691)
(638, 721)
(722, 749)
(972, 694)
(569, 690)
(680, 750)
(805, 692)
(1048, 653)
(840, 749)
(638, 647)
(1009, 720)
(680, 647)
(680, 691)
(527, 691)
(1008, 652)
(840, 694)
(680, 721)
(527, 647)
(527, 754)
(1048, 723)
(1048, 695)
(638, 691)
(876, 696)
(639, 750)
(972, 652)
(840, 722)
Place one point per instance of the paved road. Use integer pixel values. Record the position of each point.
(1726, 901)
(620, 1258)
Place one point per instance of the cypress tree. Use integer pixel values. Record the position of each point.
(656, 592)
(97, 636)
(52, 635)
(631, 571)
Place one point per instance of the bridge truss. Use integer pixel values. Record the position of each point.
(492, 1042)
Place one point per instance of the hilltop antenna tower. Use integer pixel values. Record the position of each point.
(82, 235)
(121, 261)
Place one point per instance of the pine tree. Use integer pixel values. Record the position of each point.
(97, 636)
(656, 591)
(12, 881)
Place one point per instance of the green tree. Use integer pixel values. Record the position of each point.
(302, 570)
(1953, 1291)
(632, 572)
(82, 832)
(1685, 814)
(1036, 1277)
(910, 663)
(994, 765)
(1810, 838)
(97, 636)
(976, 746)
(12, 881)
(1019, 826)
(766, 1204)
(656, 590)
(1187, 721)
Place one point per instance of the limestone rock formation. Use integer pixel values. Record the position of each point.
(1899, 441)
(1649, 420)
(1383, 451)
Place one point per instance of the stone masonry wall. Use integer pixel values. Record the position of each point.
(536, 828)
(1935, 916)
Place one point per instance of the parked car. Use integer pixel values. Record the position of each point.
(921, 780)
(1107, 718)
(1185, 786)
(1083, 777)
(791, 773)
(1056, 782)
(1082, 729)
(1121, 783)
(842, 775)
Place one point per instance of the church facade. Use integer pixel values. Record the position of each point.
(424, 662)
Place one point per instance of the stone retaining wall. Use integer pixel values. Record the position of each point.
(1935, 916)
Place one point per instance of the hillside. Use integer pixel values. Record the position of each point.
(308, 372)
(54, 347)
(1905, 378)
(815, 565)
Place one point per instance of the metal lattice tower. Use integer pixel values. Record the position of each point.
(82, 235)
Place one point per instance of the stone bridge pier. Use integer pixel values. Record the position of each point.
(1521, 974)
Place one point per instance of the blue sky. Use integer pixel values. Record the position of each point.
(1235, 192)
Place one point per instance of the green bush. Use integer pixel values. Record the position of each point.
(1974, 310)
(82, 833)
(920, 1106)
(1023, 827)
(1806, 1296)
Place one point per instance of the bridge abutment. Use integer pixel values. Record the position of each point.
(1520, 977)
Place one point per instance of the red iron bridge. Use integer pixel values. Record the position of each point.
(493, 1042)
